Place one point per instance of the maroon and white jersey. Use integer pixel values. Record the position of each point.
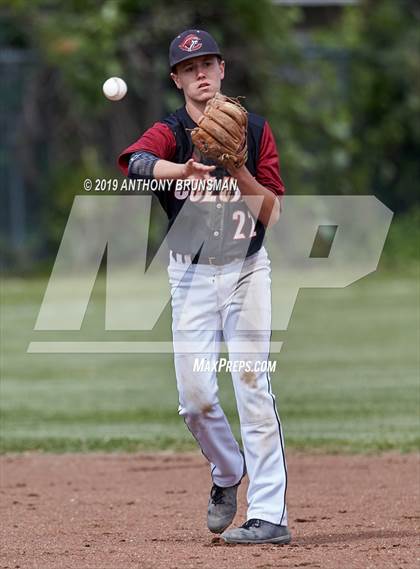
(218, 223)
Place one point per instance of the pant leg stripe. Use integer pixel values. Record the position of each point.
(281, 443)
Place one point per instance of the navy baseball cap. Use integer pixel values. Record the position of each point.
(192, 43)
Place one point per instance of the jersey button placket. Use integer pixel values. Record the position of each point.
(217, 230)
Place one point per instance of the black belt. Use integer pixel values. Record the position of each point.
(216, 260)
(203, 260)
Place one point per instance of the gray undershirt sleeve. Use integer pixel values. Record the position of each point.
(141, 165)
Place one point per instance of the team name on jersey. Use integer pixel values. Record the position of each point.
(210, 190)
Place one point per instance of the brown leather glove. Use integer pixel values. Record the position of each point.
(221, 133)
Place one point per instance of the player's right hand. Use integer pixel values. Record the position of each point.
(196, 171)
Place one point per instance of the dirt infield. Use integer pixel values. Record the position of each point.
(146, 511)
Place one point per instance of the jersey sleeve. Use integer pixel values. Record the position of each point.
(268, 168)
(159, 140)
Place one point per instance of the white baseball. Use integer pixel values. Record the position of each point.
(114, 88)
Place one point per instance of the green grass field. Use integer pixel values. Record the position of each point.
(346, 379)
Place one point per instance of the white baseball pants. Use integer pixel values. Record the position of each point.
(231, 302)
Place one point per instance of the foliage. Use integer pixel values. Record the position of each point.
(345, 112)
(384, 98)
(401, 249)
(341, 99)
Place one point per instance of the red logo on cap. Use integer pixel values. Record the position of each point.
(191, 43)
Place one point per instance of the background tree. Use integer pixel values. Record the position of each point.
(342, 97)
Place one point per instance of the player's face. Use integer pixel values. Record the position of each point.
(200, 77)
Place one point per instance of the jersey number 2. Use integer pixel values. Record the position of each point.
(240, 217)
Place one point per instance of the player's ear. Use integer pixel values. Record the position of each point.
(222, 68)
(175, 79)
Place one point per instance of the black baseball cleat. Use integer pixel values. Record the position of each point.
(222, 506)
(258, 531)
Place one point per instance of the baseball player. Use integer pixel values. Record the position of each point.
(219, 273)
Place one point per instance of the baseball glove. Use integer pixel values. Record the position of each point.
(221, 133)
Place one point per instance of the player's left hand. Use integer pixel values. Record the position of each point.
(196, 171)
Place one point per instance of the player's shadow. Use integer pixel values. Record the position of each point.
(361, 535)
